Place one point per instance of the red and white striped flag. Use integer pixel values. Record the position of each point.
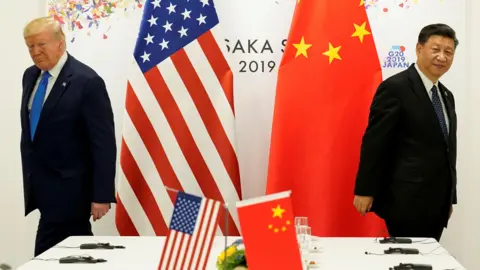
(179, 119)
(192, 230)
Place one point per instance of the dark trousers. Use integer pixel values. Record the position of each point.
(50, 233)
(414, 229)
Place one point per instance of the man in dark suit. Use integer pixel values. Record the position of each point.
(68, 141)
(407, 171)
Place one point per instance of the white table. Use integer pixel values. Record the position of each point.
(334, 254)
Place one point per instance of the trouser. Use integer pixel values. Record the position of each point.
(424, 228)
(51, 233)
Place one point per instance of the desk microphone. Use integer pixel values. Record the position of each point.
(99, 246)
(5, 266)
(394, 240)
(390, 251)
(402, 251)
(412, 266)
(80, 259)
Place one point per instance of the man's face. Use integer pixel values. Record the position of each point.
(44, 49)
(436, 56)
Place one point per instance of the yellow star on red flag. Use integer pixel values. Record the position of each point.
(283, 228)
(302, 48)
(278, 211)
(360, 31)
(332, 53)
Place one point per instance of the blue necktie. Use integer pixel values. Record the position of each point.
(37, 103)
(437, 105)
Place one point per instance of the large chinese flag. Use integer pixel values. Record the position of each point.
(327, 79)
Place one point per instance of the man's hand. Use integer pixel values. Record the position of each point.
(99, 210)
(363, 204)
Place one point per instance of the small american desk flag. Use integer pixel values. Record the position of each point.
(192, 230)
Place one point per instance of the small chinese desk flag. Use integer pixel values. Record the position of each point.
(269, 233)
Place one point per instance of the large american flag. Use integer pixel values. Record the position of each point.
(192, 230)
(179, 120)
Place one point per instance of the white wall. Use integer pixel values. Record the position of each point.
(17, 233)
(462, 238)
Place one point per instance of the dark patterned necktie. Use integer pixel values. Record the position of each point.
(437, 105)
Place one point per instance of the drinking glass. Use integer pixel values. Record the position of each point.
(304, 235)
(301, 221)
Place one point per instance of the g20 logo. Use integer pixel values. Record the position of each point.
(396, 58)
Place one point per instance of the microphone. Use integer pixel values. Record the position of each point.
(5, 266)
(99, 246)
(411, 266)
(81, 259)
(391, 250)
(394, 240)
(402, 251)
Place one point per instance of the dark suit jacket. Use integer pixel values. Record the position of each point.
(406, 164)
(71, 161)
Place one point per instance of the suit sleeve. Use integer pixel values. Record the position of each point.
(378, 137)
(98, 119)
(454, 199)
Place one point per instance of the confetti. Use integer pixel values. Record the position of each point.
(371, 3)
(88, 15)
(386, 4)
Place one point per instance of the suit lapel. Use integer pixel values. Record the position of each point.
(58, 89)
(418, 87)
(27, 92)
(421, 92)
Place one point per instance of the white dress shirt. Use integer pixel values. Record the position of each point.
(428, 85)
(54, 72)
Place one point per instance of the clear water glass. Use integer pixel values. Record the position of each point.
(301, 221)
(304, 236)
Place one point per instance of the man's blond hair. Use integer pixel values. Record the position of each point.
(41, 24)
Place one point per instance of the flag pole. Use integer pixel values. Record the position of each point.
(171, 189)
(226, 232)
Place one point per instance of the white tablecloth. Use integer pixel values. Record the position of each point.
(333, 254)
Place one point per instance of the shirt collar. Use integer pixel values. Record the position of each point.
(426, 81)
(55, 71)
